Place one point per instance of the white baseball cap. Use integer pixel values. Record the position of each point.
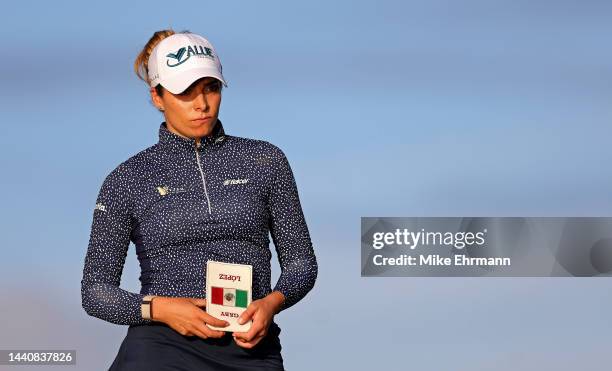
(180, 59)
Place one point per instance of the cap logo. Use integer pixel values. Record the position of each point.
(199, 50)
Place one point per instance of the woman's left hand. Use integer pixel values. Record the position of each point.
(262, 312)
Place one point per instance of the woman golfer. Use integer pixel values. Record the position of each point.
(196, 195)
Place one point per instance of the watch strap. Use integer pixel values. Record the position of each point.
(146, 307)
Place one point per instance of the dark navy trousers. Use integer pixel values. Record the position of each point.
(157, 347)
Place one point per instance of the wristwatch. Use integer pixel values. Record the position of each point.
(147, 307)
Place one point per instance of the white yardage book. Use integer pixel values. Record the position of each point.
(228, 293)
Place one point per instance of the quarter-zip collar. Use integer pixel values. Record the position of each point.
(174, 141)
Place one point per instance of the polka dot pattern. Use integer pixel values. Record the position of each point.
(182, 205)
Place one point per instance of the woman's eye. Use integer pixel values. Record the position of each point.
(212, 88)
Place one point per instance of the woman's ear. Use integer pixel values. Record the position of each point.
(156, 99)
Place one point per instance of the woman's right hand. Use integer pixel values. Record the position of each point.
(185, 316)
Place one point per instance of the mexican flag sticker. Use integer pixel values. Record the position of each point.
(229, 297)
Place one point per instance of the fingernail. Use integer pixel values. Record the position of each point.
(240, 321)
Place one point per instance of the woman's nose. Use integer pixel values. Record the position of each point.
(201, 102)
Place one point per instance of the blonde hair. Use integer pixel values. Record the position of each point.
(141, 64)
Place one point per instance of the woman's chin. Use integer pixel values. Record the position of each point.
(200, 129)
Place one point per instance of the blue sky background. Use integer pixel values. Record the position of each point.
(386, 108)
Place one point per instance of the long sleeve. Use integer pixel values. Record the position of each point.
(290, 235)
(108, 244)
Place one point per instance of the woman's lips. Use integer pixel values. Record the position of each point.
(202, 119)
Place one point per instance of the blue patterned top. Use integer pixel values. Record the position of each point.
(182, 204)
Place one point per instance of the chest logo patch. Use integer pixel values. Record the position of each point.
(164, 190)
(235, 181)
